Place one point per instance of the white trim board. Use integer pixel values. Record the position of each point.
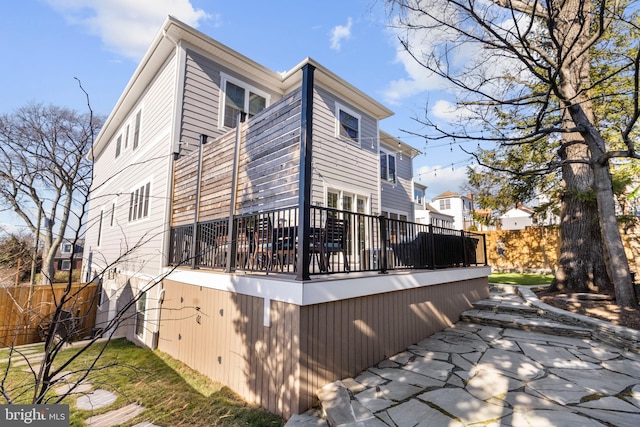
(321, 290)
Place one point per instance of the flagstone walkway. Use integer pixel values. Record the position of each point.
(512, 366)
(87, 398)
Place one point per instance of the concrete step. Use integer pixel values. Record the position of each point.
(505, 307)
(527, 323)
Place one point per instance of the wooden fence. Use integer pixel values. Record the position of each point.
(535, 249)
(21, 320)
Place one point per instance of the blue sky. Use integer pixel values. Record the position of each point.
(49, 42)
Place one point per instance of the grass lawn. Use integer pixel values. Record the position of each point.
(521, 279)
(173, 394)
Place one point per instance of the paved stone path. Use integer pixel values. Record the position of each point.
(87, 397)
(115, 417)
(484, 375)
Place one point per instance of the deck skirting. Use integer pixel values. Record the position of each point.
(276, 353)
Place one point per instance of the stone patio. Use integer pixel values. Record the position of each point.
(545, 373)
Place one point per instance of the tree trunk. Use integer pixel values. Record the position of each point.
(581, 264)
(585, 158)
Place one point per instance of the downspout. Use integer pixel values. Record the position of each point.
(304, 183)
(176, 124)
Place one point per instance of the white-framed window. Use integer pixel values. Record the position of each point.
(235, 96)
(141, 308)
(65, 265)
(139, 202)
(387, 166)
(100, 218)
(347, 124)
(445, 204)
(66, 248)
(136, 130)
(112, 214)
(347, 201)
(126, 137)
(118, 145)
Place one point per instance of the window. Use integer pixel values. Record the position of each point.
(100, 228)
(136, 130)
(113, 214)
(239, 96)
(139, 202)
(66, 248)
(65, 265)
(348, 124)
(118, 145)
(126, 137)
(387, 167)
(445, 204)
(141, 307)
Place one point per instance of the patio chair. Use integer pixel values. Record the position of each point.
(284, 238)
(263, 251)
(334, 241)
(244, 244)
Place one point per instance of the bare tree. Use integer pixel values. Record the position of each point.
(63, 325)
(15, 258)
(44, 173)
(527, 78)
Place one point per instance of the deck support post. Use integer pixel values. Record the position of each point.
(432, 247)
(232, 227)
(194, 237)
(383, 244)
(304, 186)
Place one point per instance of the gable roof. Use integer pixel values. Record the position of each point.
(450, 195)
(175, 33)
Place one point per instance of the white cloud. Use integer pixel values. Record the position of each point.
(340, 33)
(439, 46)
(441, 178)
(449, 112)
(126, 27)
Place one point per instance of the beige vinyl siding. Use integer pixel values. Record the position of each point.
(115, 180)
(281, 366)
(398, 197)
(338, 163)
(201, 100)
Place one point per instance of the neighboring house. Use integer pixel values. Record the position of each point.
(456, 205)
(239, 239)
(425, 213)
(63, 261)
(396, 178)
(430, 215)
(517, 218)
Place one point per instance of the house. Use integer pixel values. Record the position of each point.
(430, 215)
(456, 205)
(63, 261)
(517, 218)
(261, 223)
(426, 213)
(396, 178)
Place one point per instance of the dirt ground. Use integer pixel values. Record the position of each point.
(605, 310)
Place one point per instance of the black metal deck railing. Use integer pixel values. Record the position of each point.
(338, 242)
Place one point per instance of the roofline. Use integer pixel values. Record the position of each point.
(174, 32)
(450, 194)
(329, 79)
(403, 147)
